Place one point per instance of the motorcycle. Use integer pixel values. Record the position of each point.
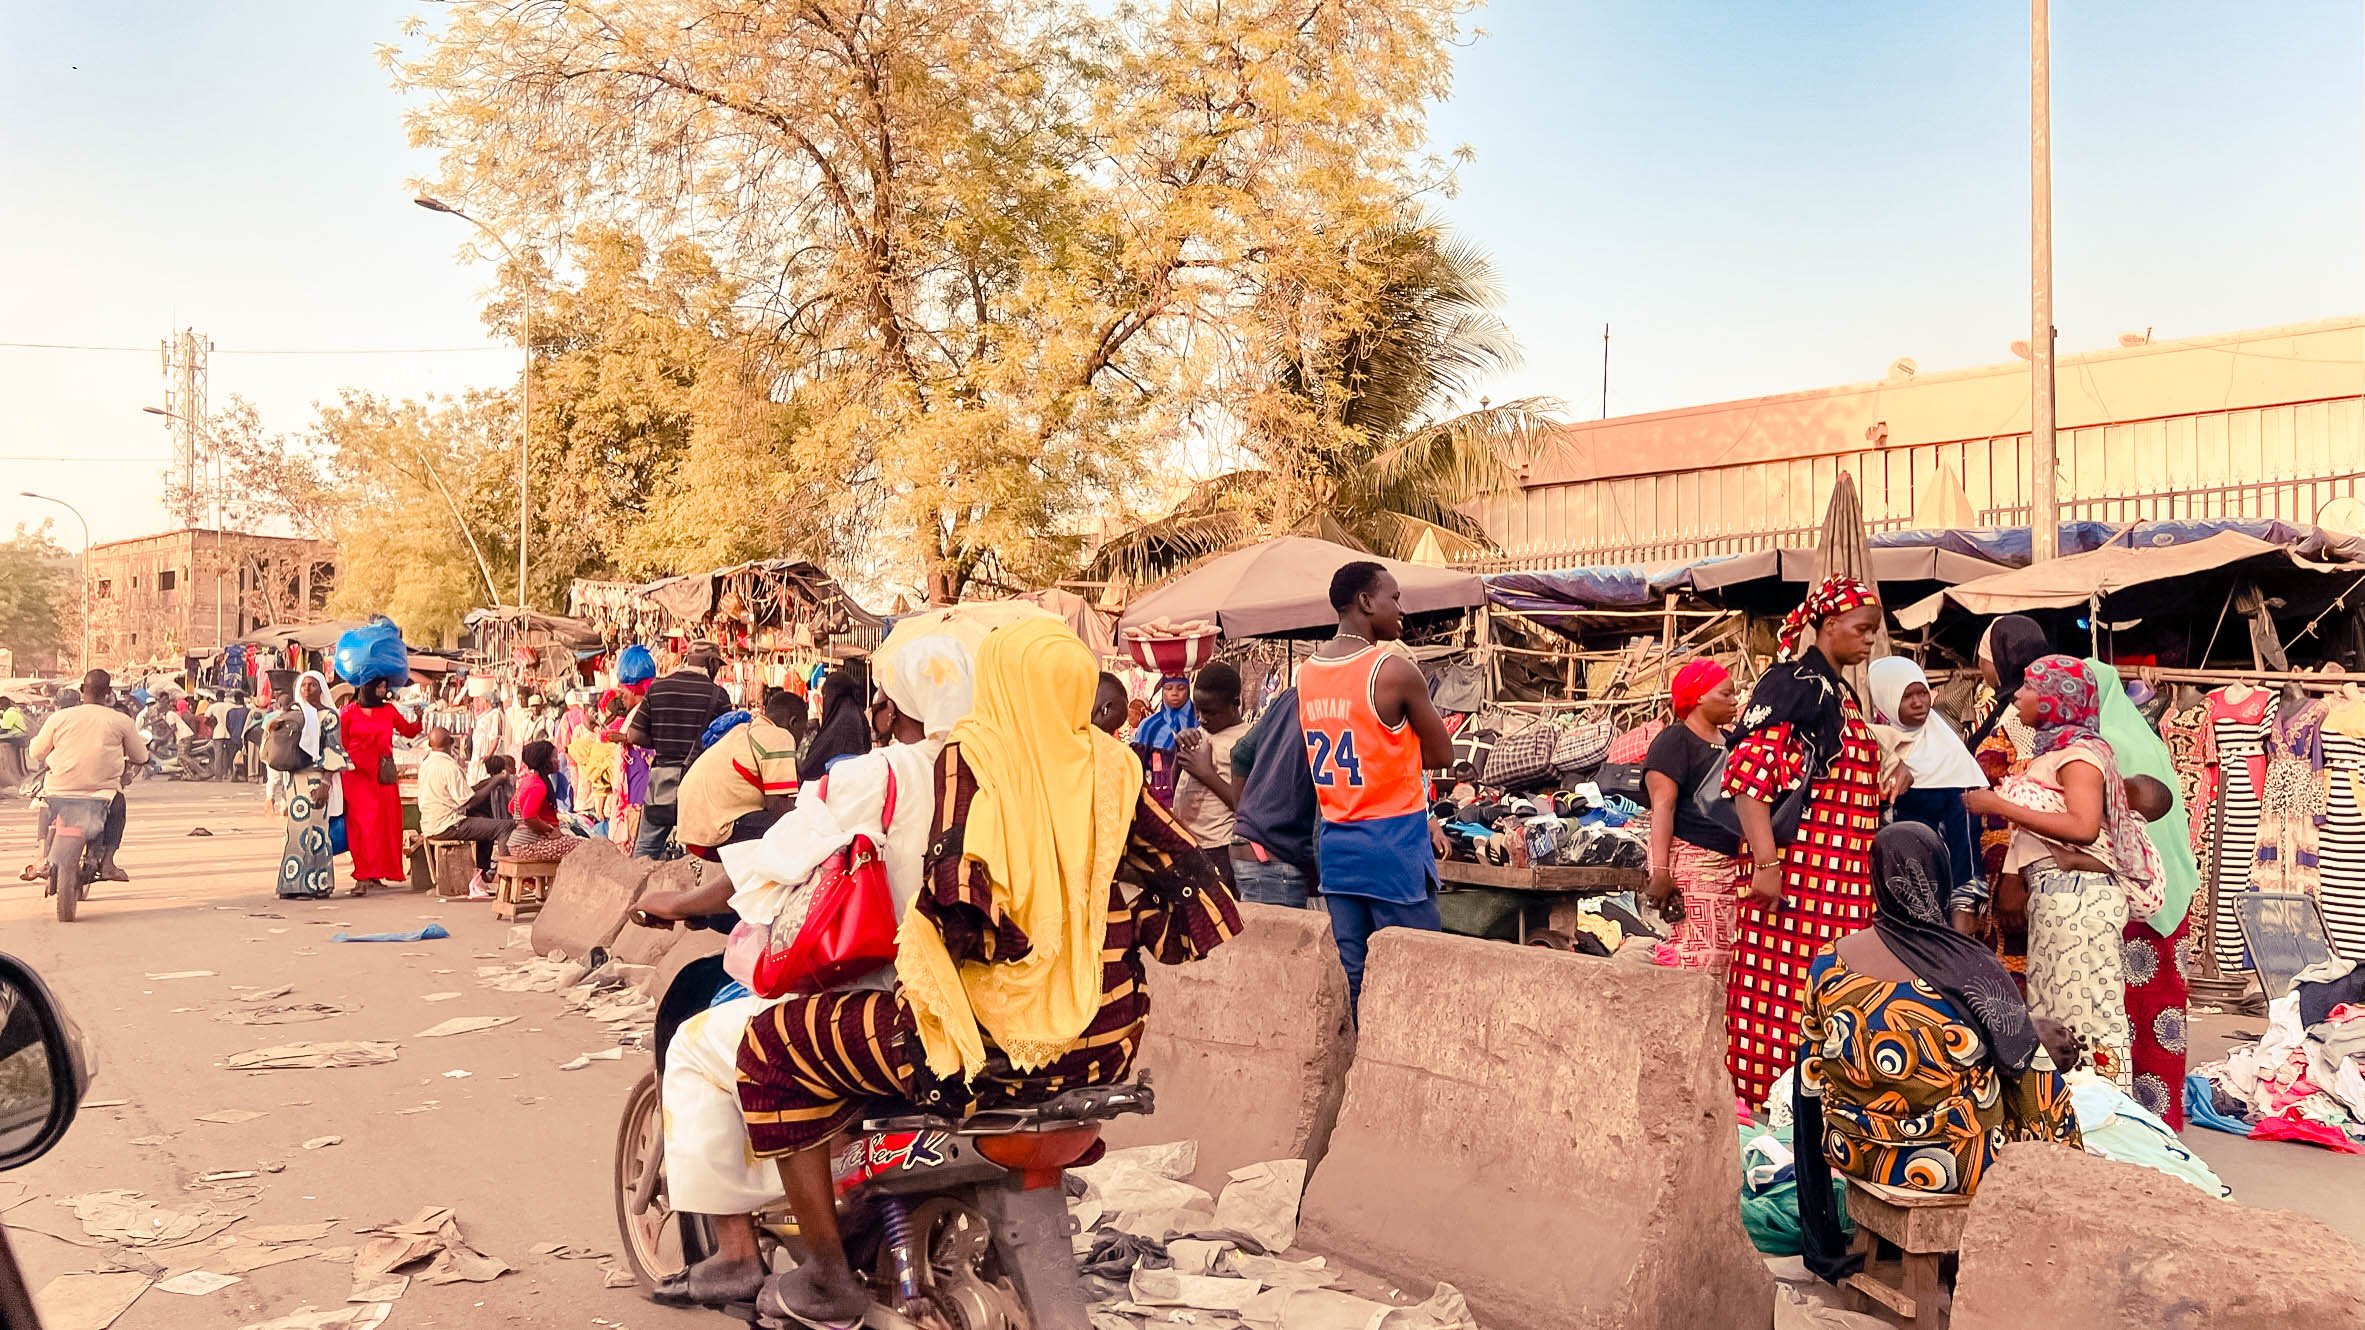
(70, 830)
(953, 1225)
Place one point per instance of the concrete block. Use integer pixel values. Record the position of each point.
(2057, 1237)
(689, 944)
(1248, 1049)
(637, 944)
(1551, 1133)
(595, 888)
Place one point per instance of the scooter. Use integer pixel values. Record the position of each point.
(954, 1225)
(69, 847)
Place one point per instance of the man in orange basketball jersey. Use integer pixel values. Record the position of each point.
(1370, 731)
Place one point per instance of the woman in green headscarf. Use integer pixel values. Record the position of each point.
(2153, 948)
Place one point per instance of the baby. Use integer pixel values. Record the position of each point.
(2147, 797)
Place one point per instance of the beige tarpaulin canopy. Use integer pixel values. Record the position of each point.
(2081, 578)
(1095, 625)
(1283, 586)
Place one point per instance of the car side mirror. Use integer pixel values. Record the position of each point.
(43, 1069)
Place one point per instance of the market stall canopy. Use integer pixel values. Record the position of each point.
(1283, 586)
(1096, 626)
(2079, 578)
(534, 625)
(307, 636)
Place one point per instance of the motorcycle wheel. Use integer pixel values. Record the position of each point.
(66, 892)
(962, 1278)
(657, 1242)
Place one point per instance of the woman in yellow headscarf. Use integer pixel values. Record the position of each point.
(1044, 858)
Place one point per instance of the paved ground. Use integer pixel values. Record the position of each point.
(519, 1149)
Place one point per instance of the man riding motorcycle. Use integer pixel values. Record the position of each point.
(90, 750)
(753, 1101)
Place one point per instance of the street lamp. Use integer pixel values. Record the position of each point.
(525, 386)
(85, 567)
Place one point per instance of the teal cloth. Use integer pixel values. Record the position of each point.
(1769, 1215)
(2141, 752)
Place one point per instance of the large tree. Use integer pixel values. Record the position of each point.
(38, 604)
(1005, 247)
(1361, 415)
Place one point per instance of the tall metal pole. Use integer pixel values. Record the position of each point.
(525, 387)
(78, 517)
(1605, 371)
(2044, 508)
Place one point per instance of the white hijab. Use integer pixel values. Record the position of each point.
(311, 738)
(1937, 757)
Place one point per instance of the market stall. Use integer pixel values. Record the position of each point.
(774, 619)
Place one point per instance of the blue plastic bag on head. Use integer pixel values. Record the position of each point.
(373, 651)
(635, 665)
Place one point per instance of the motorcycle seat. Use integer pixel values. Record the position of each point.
(1085, 1104)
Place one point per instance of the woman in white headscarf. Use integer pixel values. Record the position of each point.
(1937, 769)
(307, 860)
(925, 681)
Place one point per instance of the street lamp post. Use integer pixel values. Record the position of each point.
(85, 568)
(525, 386)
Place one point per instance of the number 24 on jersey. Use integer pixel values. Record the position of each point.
(1332, 757)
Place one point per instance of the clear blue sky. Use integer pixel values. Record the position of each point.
(1759, 197)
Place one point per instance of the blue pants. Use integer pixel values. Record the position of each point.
(1353, 919)
(1270, 882)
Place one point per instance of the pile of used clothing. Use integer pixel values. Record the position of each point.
(2304, 1079)
(1566, 828)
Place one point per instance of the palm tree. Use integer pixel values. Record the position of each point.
(1361, 432)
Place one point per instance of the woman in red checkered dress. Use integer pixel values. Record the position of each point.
(1801, 723)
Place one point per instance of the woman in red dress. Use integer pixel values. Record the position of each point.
(373, 809)
(1802, 723)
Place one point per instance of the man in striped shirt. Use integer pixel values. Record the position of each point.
(672, 715)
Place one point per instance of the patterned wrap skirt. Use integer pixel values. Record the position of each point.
(2075, 971)
(1704, 940)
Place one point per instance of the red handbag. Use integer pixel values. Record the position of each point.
(848, 931)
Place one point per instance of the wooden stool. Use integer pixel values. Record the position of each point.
(520, 884)
(1924, 1228)
(445, 867)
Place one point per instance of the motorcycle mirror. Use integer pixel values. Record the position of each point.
(43, 1070)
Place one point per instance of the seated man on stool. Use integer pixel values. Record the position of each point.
(450, 810)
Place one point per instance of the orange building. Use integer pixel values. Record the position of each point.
(2268, 423)
(188, 593)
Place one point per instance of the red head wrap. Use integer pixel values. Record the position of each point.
(1697, 679)
(1837, 595)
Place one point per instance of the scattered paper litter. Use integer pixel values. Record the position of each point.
(229, 1116)
(196, 1283)
(277, 1233)
(323, 1142)
(1261, 1202)
(245, 1259)
(616, 1277)
(104, 1103)
(181, 974)
(428, 934)
(87, 1301)
(456, 1074)
(231, 1175)
(124, 1218)
(267, 994)
(567, 1251)
(439, 997)
(385, 1288)
(283, 1013)
(463, 1025)
(337, 1053)
(364, 1316)
(1167, 1288)
(521, 937)
(432, 1235)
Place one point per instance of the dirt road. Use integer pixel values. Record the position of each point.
(520, 1149)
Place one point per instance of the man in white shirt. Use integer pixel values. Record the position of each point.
(1206, 792)
(489, 735)
(444, 793)
(87, 751)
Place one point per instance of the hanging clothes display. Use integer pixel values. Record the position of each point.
(2293, 815)
(2291, 800)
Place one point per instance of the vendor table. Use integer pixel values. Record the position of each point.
(1544, 884)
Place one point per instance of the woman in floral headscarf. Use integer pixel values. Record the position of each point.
(2085, 856)
(1805, 891)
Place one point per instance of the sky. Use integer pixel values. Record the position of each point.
(1756, 197)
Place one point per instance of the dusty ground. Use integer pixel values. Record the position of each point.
(519, 1149)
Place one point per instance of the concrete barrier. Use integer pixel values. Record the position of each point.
(1248, 1049)
(689, 944)
(2057, 1237)
(1550, 1133)
(595, 888)
(638, 944)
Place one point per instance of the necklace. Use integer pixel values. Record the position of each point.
(1358, 637)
